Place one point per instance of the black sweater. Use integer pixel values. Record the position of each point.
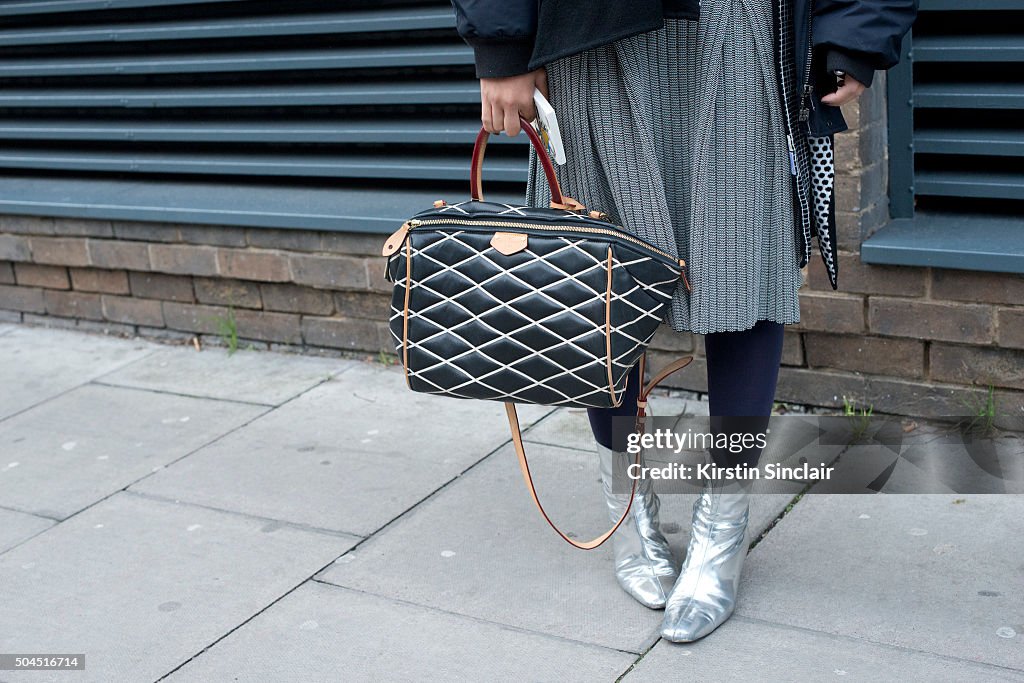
(511, 37)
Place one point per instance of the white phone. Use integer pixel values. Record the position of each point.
(547, 125)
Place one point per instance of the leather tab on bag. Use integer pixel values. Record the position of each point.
(509, 243)
(395, 241)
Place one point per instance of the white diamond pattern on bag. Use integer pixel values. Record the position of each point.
(464, 313)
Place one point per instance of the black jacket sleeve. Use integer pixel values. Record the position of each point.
(861, 36)
(501, 33)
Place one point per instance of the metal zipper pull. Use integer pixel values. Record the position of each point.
(792, 153)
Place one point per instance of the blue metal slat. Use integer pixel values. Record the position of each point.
(348, 23)
(969, 48)
(451, 130)
(969, 142)
(10, 9)
(961, 184)
(418, 92)
(969, 95)
(246, 62)
(398, 167)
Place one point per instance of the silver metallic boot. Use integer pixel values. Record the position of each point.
(643, 561)
(705, 594)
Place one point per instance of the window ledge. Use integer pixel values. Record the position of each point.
(965, 241)
(308, 207)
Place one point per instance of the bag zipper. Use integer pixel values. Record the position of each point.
(392, 244)
(414, 223)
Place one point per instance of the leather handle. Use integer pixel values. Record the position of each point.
(476, 165)
(524, 465)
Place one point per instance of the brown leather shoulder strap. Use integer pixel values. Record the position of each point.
(524, 465)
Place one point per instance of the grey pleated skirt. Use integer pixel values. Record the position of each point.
(678, 134)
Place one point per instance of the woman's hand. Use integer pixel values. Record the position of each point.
(851, 90)
(502, 100)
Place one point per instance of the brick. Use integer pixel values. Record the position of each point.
(334, 272)
(125, 309)
(856, 276)
(894, 396)
(375, 275)
(216, 235)
(114, 254)
(831, 312)
(14, 248)
(73, 304)
(363, 305)
(227, 292)
(792, 348)
(977, 286)
(354, 244)
(146, 232)
(192, 317)
(665, 339)
(27, 225)
(286, 240)
(183, 259)
(931, 320)
(100, 280)
(343, 333)
(6, 273)
(1011, 327)
(848, 193)
(11, 316)
(974, 365)
(81, 227)
(163, 334)
(296, 299)
(28, 299)
(35, 275)
(161, 286)
(265, 266)
(63, 251)
(871, 355)
(278, 327)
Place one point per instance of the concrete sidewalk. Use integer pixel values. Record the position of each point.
(188, 515)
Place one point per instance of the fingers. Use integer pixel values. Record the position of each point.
(850, 91)
(512, 126)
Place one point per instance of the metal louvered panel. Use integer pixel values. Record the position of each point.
(956, 111)
(355, 104)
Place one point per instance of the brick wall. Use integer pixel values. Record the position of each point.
(905, 340)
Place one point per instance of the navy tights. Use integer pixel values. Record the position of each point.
(743, 369)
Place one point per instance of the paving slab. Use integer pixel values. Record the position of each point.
(39, 363)
(6, 327)
(140, 586)
(350, 455)
(480, 548)
(934, 573)
(326, 633)
(16, 527)
(745, 650)
(246, 375)
(67, 453)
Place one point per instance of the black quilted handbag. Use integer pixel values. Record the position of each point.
(551, 306)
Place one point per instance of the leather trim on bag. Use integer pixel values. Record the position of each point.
(608, 333)
(405, 313)
(509, 243)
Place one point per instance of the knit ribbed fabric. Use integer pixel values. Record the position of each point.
(678, 134)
